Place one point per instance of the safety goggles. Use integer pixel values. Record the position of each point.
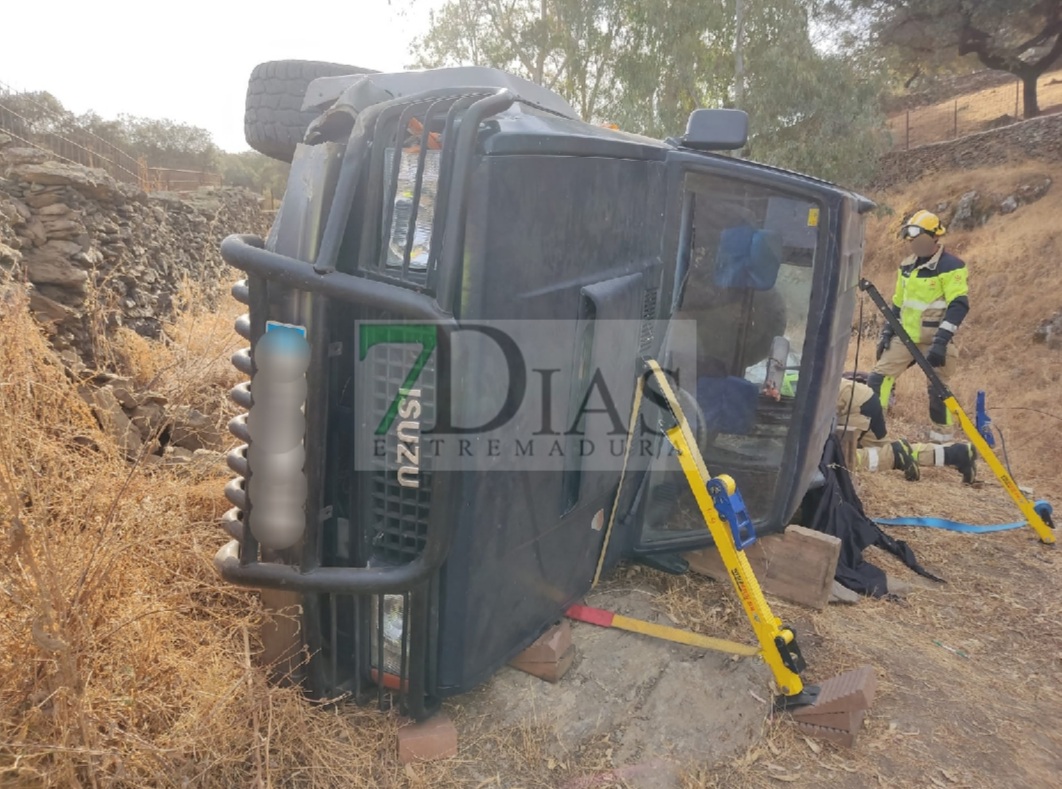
(911, 231)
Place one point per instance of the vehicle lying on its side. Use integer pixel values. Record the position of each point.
(424, 208)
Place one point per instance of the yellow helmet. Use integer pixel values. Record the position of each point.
(922, 222)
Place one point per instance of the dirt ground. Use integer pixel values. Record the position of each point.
(968, 670)
(967, 677)
(638, 708)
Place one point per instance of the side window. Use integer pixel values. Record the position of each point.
(748, 281)
(745, 278)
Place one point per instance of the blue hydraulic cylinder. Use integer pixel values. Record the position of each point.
(984, 422)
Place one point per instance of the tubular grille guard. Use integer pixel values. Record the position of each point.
(341, 604)
(400, 295)
(383, 224)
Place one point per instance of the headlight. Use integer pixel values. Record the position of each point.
(398, 232)
(393, 625)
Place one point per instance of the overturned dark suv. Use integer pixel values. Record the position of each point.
(446, 324)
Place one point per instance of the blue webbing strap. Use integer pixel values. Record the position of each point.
(940, 523)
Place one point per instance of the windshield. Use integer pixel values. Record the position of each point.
(744, 284)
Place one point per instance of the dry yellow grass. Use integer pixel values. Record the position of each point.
(970, 113)
(123, 660)
(192, 361)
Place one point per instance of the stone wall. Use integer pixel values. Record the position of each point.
(1036, 139)
(96, 254)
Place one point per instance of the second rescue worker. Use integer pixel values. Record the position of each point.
(931, 300)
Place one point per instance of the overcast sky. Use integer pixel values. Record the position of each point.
(189, 60)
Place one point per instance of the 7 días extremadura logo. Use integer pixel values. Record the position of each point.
(505, 395)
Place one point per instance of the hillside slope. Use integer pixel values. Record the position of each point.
(1015, 263)
(967, 669)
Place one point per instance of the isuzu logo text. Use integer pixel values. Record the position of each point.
(407, 453)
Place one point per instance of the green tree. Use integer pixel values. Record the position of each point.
(113, 131)
(255, 171)
(565, 45)
(673, 56)
(638, 63)
(1022, 37)
(33, 112)
(163, 143)
(168, 143)
(646, 64)
(809, 110)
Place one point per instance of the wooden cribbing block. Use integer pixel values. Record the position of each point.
(435, 738)
(797, 566)
(846, 737)
(550, 656)
(837, 715)
(850, 692)
(281, 636)
(850, 720)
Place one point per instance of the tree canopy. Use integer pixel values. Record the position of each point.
(646, 64)
(255, 171)
(162, 142)
(1022, 37)
(808, 110)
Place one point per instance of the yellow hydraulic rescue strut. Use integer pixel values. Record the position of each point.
(1038, 516)
(719, 499)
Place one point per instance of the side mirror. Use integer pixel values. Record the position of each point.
(716, 130)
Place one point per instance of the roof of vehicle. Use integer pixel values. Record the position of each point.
(539, 122)
(373, 88)
(525, 129)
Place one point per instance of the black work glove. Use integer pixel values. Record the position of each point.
(883, 344)
(938, 352)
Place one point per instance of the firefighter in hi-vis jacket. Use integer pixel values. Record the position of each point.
(931, 301)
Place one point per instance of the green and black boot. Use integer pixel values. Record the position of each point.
(963, 457)
(904, 457)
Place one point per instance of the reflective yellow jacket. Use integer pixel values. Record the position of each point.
(931, 296)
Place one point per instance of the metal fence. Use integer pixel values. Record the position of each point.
(164, 179)
(974, 112)
(76, 145)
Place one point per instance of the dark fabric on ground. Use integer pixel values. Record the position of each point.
(835, 509)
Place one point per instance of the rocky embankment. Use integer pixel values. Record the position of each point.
(96, 254)
(92, 255)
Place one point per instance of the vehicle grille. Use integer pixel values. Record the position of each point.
(397, 516)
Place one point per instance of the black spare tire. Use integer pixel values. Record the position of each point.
(273, 119)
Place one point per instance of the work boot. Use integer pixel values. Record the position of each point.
(964, 458)
(904, 457)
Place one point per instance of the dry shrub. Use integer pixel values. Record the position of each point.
(191, 363)
(124, 660)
